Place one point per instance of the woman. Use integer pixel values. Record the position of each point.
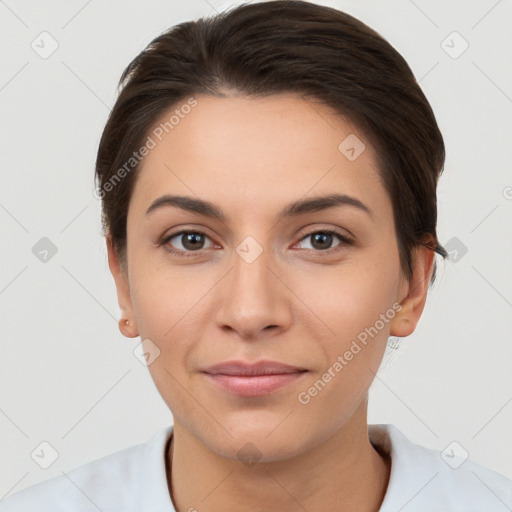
(268, 182)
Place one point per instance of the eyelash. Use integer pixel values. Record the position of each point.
(190, 254)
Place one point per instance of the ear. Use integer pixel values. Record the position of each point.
(123, 291)
(413, 293)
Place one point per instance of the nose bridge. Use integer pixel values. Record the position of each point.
(251, 269)
(253, 298)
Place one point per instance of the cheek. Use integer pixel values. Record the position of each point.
(351, 296)
(357, 307)
(168, 312)
(166, 297)
(171, 307)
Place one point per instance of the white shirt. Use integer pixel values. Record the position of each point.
(134, 480)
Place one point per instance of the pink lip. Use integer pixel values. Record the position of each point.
(253, 379)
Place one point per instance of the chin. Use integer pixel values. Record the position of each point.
(250, 440)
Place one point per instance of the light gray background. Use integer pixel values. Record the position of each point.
(70, 378)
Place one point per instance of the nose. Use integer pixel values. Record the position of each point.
(254, 301)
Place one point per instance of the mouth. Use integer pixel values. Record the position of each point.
(253, 379)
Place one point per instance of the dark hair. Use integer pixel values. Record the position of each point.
(265, 48)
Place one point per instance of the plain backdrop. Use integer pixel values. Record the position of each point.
(68, 376)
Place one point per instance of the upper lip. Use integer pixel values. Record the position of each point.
(246, 368)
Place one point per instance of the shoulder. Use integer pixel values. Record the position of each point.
(114, 482)
(426, 479)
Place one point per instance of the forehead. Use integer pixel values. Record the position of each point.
(254, 155)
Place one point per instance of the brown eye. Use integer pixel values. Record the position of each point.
(192, 241)
(187, 242)
(323, 240)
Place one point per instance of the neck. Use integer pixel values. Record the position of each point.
(343, 473)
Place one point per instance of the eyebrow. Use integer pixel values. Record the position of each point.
(296, 208)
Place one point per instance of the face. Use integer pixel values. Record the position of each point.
(317, 288)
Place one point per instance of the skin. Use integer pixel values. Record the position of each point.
(294, 303)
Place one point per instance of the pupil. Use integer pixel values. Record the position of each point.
(193, 239)
(322, 237)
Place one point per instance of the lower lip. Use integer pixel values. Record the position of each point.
(255, 385)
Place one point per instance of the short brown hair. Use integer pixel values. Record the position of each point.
(265, 48)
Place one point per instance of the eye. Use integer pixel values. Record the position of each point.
(190, 242)
(323, 239)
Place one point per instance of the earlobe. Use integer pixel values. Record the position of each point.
(127, 324)
(405, 321)
(125, 328)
